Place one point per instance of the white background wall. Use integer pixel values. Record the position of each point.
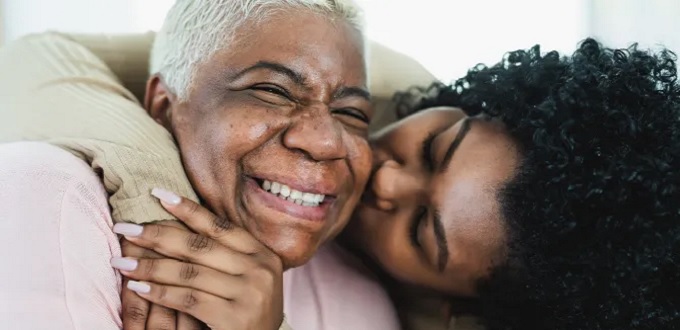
(650, 22)
(447, 36)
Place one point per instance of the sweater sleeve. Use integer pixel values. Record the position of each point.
(55, 90)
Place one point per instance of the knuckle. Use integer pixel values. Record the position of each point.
(156, 231)
(199, 243)
(166, 313)
(188, 272)
(220, 225)
(189, 301)
(135, 313)
(162, 293)
(192, 208)
(149, 268)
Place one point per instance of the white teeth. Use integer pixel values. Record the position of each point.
(276, 188)
(309, 198)
(295, 194)
(286, 193)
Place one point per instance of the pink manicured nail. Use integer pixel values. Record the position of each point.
(166, 196)
(124, 263)
(140, 287)
(128, 229)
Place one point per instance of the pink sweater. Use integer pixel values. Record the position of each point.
(55, 231)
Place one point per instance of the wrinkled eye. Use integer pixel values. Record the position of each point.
(353, 117)
(272, 89)
(272, 94)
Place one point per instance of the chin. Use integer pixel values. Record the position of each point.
(293, 252)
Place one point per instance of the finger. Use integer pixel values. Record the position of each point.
(188, 322)
(135, 309)
(161, 318)
(187, 246)
(206, 307)
(202, 221)
(130, 249)
(177, 273)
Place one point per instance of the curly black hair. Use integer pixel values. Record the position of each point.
(593, 211)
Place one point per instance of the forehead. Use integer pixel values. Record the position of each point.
(321, 49)
(467, 192)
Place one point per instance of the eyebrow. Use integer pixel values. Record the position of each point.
(293, 75)
(442, 244)
(352, 91)
(465, 128)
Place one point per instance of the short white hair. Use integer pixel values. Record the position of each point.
(194, 30)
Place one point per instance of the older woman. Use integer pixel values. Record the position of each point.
(250, 94)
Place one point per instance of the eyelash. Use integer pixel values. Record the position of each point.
(354, 113)
(273, 90)
(427, 151)
(413, 231)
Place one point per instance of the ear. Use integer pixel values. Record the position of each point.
(159, 101)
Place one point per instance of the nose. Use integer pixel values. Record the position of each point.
(393, 185)
(316, 134)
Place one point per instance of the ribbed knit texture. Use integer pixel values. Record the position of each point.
(57, 91)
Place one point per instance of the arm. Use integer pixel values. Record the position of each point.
(55, 90)
(57, 242)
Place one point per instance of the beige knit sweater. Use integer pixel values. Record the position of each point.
(55, 90)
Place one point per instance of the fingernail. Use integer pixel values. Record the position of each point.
(139, 287)
(128, 229)
(124, 263)
(166, 196)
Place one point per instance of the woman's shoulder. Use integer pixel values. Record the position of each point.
(42, 172)
(333, 291)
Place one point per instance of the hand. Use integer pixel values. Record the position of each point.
(138, 313)
(228, 280)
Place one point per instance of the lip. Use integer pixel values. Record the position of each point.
(316, 187)
(306, 213)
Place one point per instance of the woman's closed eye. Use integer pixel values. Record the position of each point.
(414, 230)
(426, 151)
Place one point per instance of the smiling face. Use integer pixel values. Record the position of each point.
(273, 132)
(430, 215)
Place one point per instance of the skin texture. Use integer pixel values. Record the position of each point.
(304, 126)
(404, 193)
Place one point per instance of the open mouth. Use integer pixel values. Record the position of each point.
(293, 203)
(286, 193)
